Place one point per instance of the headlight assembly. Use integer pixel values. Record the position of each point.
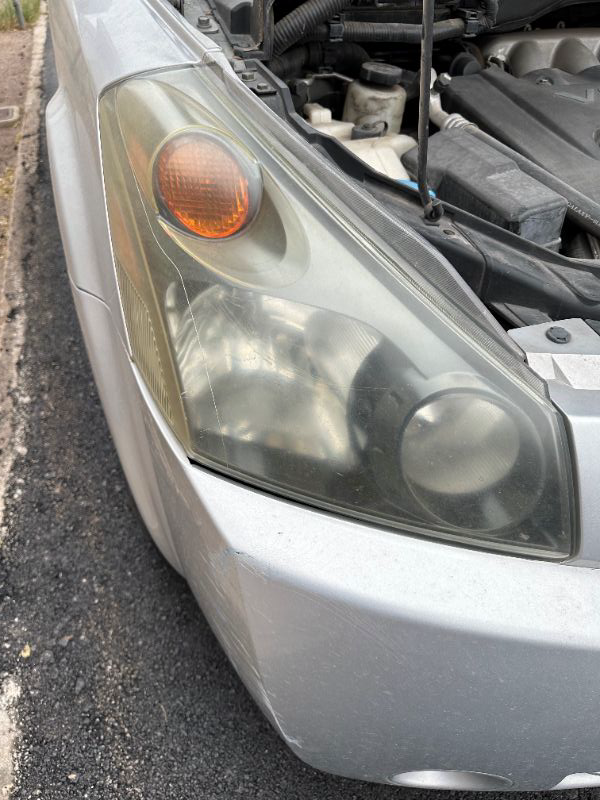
(291, 344)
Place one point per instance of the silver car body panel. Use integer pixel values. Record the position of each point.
(375, 655)
(572, 372)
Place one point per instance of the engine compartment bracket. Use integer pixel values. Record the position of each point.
(574, 362)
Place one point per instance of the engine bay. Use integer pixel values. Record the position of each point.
(513, 127)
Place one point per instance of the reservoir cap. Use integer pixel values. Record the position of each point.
(380, 74)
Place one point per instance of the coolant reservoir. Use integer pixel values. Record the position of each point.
(376, 97)
(381, 153)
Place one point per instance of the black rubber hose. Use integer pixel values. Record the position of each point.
(580, 209)
(302, 21)
(396, 32)
(291, 63)
(348, 58)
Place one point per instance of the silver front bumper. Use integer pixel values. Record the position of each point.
(372, 653)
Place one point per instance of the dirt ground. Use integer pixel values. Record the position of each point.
(15, 47)
(20, 85)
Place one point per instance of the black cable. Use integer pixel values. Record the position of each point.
(302, 20)
(396, 32)
(432, 207)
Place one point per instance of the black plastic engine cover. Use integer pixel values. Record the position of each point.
(513, 14)
(470, 174)
(549, 116)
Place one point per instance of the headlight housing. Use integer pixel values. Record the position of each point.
(303, 343)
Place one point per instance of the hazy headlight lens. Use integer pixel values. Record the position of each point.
(466, 459)
(458, 444)
(306, 353)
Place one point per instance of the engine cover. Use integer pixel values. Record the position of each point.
(470, 174)
(549, 115)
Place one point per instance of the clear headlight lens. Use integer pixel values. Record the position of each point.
(289, 344)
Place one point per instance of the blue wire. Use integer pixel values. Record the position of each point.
(415, 187)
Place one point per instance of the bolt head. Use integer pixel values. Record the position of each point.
(558, 334)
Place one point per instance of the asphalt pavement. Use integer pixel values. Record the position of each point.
(125, 692)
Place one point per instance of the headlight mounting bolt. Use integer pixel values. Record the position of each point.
(206, 24)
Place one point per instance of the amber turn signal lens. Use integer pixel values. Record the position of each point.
(205, 186)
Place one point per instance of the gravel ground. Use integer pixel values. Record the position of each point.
(124, 690)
